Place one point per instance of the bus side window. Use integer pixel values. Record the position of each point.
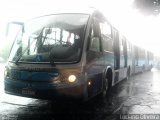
(106, 37)
(95, 38)
(136, 55)
(106, 29)
(121, 44)
(125, 51)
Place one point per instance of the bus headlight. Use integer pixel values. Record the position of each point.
(72, 78)
(68, 76)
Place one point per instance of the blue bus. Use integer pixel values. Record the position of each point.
(75, 55)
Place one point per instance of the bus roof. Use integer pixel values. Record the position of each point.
(88, 11)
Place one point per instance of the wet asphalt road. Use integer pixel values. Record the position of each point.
(138, 95)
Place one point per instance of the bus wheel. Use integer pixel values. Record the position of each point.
(128, 73)
(105, 87)
(109, 85)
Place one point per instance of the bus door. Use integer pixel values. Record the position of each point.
(116, 54)
(94, 60)
(123, 58)
(136, 61)
(107, 42)
(130, 58)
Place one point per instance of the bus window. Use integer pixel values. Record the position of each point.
(105, 29)
(125, 51)
(121, 52)
(136, 55)
(106, 37)
(95, 38)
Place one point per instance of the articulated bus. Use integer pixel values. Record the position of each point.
(68, 56)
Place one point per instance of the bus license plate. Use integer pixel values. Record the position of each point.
(28, 91)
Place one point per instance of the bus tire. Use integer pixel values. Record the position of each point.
(104, 89)
(109, 81)
(107, 84)
(128, 73)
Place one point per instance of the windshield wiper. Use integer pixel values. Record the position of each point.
(39, 37)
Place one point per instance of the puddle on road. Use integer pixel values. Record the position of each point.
(156, 83)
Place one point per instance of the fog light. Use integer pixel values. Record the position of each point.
(72, 78)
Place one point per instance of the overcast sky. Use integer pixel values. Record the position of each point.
(141, 30)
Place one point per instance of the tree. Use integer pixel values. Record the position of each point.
(148, 7)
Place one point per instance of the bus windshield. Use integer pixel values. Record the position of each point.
(54, 38)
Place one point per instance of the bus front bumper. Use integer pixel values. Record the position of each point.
(45, 90)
